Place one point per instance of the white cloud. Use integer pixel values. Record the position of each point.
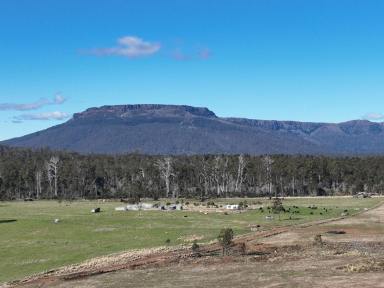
(374, 116)
(129, 46)
(56, 115)
(57, 100)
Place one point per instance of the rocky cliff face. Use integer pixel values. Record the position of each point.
(144, 110)
(173, 129)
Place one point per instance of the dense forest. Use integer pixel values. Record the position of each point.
(45, 174)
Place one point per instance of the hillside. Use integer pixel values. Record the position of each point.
(172, 129)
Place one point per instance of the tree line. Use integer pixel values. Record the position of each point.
(46, 174)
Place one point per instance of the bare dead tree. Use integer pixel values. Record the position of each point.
(50, 177)
(293, 186)
(240, 173)
(221, 175)
(52, 167)
(267, 163)
(38, 183)
(166, 172)
(204, 174)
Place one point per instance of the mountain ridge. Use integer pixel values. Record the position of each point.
(182, 129)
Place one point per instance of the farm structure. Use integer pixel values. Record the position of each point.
(149, 206)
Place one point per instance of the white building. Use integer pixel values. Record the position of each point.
(232, 207)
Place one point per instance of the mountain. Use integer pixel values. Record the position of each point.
(173, 129)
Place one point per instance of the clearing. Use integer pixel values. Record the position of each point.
(33, 243)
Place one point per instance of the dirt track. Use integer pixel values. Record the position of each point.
(282, 257)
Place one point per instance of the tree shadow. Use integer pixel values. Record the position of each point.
(7, 221)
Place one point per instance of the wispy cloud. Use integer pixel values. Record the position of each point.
(128, 46)
(205, 53)
(202, 54)
(178, 55)
(57, 100)
(56, 115)
(374, 116)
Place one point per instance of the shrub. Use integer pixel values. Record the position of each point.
(225, 239)
(195, 247)
(210, 203)
(317, 240)
(277, 206)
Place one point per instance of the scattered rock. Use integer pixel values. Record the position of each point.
(372, 265)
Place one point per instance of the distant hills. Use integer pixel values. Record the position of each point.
(173, 129)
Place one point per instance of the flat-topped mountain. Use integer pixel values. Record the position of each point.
(144, 110)
(174, 129)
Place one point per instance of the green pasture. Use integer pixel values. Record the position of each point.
(31, 242)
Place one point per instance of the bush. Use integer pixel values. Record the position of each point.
(277, 206)
(318, 240)
(225, 239)
(195, 247)
(210, 204)
(168, 241)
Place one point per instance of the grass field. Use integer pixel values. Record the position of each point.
(30, 242)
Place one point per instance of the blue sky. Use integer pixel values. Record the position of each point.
(266, 59)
